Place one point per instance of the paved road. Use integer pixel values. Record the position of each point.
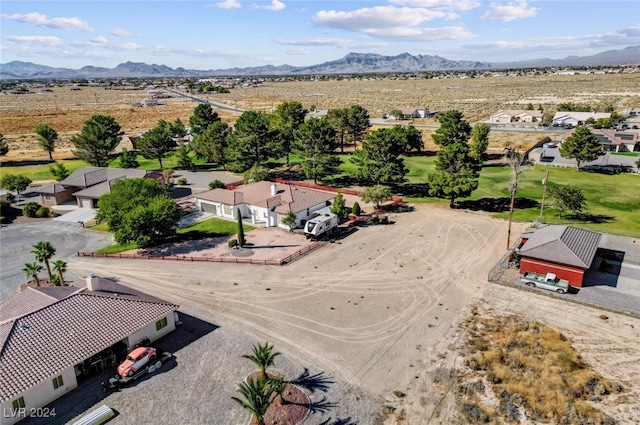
(17, 240)
(201, 100)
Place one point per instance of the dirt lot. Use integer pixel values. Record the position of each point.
(377, 313)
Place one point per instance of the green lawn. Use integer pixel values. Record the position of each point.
(212, 227)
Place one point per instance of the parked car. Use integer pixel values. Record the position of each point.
(136, 360)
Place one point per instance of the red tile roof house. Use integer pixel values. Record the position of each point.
(264, 202)
(564, 250)
(86, 184)
(50, 336)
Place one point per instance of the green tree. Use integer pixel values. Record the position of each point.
(263, 357)
(32, 270)
(339, 119)
(183, 154)
(252, 142)
(289, 220)
(582, 145)
(212, 142)
(4, 147)
(379, 158)
(16, 182)
(177, 128)
(287, 118)
(315, 144)
(44, 251)
(47, 137)
(356, 210)
(98, 138)
(60, 267)
(30, 209)
(241, 240)
(567, 198)
(59, 171)
(376, 194)
(256, 397)
(456, 166)
(138, 210)
(339, 207)
(357, 123)
(203, 115)
(479, 144)
(158, 142)
(256, 173)
(128, 159)
(408, 137)
(217, 184)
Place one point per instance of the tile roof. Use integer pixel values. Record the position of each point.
(90, 176)
(288, 197)
(50, 189)
(49, 339)
(562, 244)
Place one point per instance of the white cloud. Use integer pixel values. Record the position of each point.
(461, 5)
(40, 20)
(119, 32)
(275, 5)
(296, 52)
(228, 4)
(49, 41)
(344, 43)
(509, 12)
(100, 40)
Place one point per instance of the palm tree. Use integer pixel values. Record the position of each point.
(43, 251)
(60, 267)
(256, 397)
(32, 270)
(277, 386)
(263, 357)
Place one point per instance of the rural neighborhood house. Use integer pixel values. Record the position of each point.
(54, 337)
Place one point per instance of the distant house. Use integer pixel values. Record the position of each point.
(53, 337)
(409, 112)
(516, 115)
(264, 202)
(618, 141)
(564, 250)
(573, 119)
(150, 102)
(86, 185)
(635, 112)
(318, 113)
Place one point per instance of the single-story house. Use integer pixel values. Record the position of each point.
(505, 116)
(574, 119)
(617, 141)
(86, 184)
(54, 337)
(564, 250)
(412, 112)
(634, 112)
(264, 202)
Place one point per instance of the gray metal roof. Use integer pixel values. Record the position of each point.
(562, 244)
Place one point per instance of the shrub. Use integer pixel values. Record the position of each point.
(182, 181)
(43, 212)
(233, 243)
(217, 184)
(356, 209)
(10, 197)
(30, 209)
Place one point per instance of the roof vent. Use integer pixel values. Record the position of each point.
(93, 283)
(274, 189)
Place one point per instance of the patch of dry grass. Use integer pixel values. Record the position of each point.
(529, 369)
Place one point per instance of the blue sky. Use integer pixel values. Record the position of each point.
(240, 33)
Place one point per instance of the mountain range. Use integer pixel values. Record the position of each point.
(353, 63)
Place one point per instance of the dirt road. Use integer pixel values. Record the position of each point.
(379, 311)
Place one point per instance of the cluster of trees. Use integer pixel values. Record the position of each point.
(44, 252)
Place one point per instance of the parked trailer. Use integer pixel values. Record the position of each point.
(116, 381)
(549, 281)
(321, 225)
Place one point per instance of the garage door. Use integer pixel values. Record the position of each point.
(210, 208)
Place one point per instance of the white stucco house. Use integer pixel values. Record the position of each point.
(53, 337)
(574, 119)
(264, 203)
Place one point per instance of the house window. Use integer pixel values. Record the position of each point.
(48, 198)
(57, 382)
(18, 404)
(161, 323)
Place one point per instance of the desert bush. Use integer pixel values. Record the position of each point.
(30, 209)
(182, 181)
(43, 212)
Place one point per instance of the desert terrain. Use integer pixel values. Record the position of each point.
(381, 313)
(66, 110)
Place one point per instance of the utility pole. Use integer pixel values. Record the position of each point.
(544, 191)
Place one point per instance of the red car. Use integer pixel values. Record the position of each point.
(136, 360)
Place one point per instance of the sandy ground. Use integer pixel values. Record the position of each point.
(377, 312)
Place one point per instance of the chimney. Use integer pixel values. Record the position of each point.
(93, 283)
(274, 189)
